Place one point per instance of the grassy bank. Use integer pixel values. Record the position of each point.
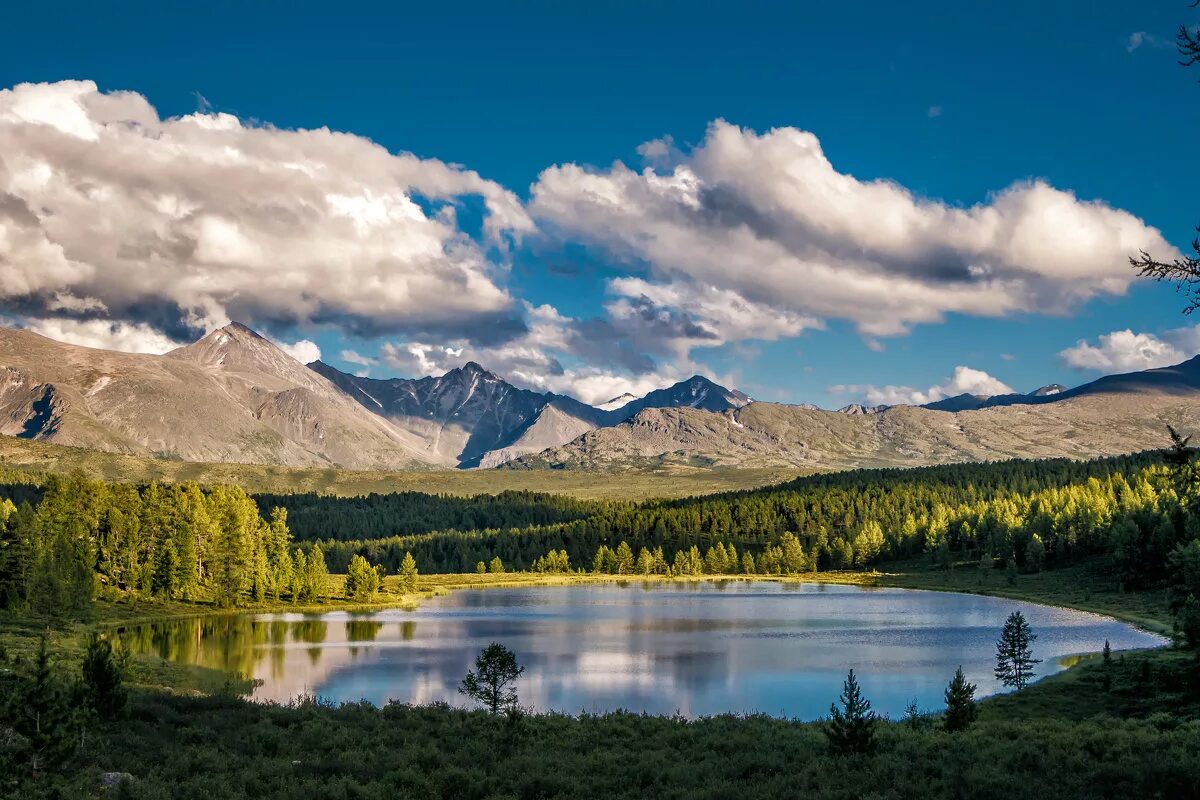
(1122, 729)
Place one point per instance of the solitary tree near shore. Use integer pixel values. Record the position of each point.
(960, 703)
(408, 574)
(852, 728)
(1014, 653)
(492, 681)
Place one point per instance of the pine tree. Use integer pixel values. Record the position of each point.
(480, 567)
(166, 569)
(104, 677)
(316, 575)
(362, 581)
(408, 574)
(492, 681)
(1014, 654)
(961, 710)
(40, 711)
(645, 562)
(852, 728)
(496, 565)
(624, 559)
(299, 575)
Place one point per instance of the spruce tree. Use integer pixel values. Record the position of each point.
(852, 728)
(961, 710)
(1014, 653)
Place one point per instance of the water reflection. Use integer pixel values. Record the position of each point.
(694, 649)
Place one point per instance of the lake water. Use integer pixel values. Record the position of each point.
(696, 649)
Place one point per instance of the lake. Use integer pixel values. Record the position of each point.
(695, 649)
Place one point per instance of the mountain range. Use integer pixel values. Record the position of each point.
(233, 396)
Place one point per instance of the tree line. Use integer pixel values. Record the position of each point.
(178, 541)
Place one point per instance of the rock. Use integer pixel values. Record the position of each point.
(110, 780)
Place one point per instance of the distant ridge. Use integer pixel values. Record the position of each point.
(234, 396)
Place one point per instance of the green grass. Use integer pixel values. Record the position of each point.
(22, 455)
(1125, 729)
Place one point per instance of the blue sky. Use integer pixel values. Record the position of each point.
(955, 103)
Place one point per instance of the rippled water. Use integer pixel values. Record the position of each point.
(696, 649)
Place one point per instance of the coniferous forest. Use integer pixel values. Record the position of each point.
(72, 550)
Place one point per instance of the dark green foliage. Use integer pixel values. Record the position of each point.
(41, 716)
(851, 729)
(493, 680)
(182, 748)
(104, 678)
(1014, 652)
(961, 710)
(378, 516)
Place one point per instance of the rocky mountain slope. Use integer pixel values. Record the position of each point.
(1117, 414)
(470, 417)
(232, 396)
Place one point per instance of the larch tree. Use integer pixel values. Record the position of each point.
(408, 574)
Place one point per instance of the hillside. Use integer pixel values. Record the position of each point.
(769, 434)
(230, 397)
(36, 457)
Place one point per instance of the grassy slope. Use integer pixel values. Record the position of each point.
(680, 482)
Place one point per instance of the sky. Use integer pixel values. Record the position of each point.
(824, 203)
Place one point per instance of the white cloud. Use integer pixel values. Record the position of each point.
(965, 380)
(108, 210)
(304, 351)
(766, 217)
(353, 357)
(1139, 39)
(125, 337)
(1126, 351)
(535, 360)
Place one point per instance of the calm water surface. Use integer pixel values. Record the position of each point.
(696, 649)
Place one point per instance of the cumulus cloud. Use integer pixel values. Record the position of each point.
(965, 380)
(768, 218)
(1126, 351)
(109, 211)
(104, 335)
(304, 351)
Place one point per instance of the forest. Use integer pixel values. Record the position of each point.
(66, 542)
(67, 539)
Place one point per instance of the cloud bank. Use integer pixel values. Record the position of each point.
(965, 380)
(768, 218)
(108, 211)
(121, 228)
(1126, 351)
